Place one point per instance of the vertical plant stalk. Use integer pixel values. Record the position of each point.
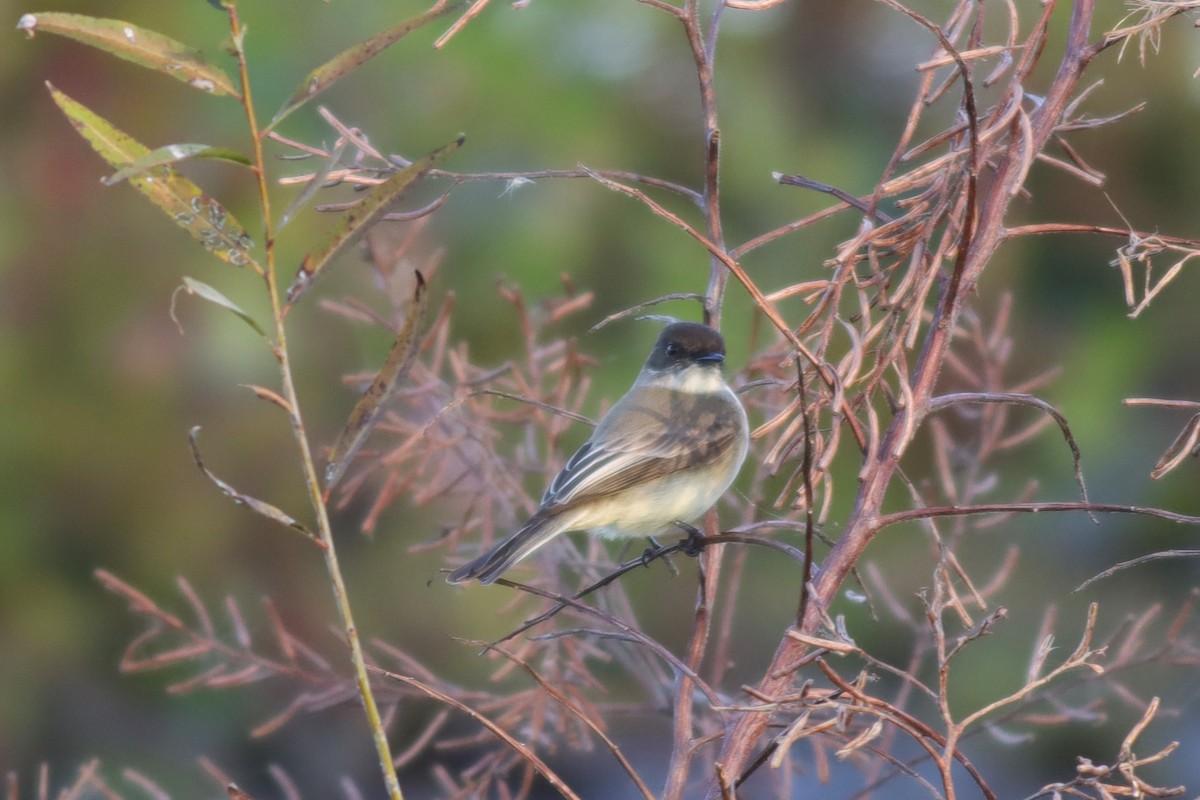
(710, 561)
(703, 54)
(683, 747)
(311, 477)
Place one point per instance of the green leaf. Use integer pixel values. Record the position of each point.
(258, 506)
(173, 154)
(132, 43)
(200, 215)
(350, 59)
(310, 188)
(374, 400)
(355, 222)
(206, 292)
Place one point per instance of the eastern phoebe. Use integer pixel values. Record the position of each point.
(663, 454)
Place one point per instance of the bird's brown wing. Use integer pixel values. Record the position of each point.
(639, 441)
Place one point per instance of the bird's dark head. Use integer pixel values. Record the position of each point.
(683, 344)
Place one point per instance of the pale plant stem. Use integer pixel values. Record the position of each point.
(311, 478)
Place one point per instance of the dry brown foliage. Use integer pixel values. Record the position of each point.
(891, 347)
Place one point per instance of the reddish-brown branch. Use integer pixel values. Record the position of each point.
(864, 520)
(682, 747)
(702, 55)
(1104, 230)
(896, 517)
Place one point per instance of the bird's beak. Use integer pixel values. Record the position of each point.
(711, 358)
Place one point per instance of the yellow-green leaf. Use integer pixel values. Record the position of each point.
(311, 188)
(206, 292)
(254, 504)
(355, 222)
(350, 59)
(374, 400)
(132, 43)
(183, 201)
(173, 154)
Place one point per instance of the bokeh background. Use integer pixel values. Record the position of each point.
(98, 387)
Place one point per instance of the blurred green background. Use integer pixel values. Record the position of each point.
(98, 388)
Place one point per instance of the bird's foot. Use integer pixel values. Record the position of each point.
(694, 544)
(652, 551)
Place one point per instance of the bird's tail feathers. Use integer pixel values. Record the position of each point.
(540, 529)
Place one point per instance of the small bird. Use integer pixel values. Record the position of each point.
(662, 455)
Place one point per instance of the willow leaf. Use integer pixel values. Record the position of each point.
(355, 222)
(350, 59)
(133, 43)
(173, 154)
(206, 292)
(258, 506)
(310, 188)
(374, 400)
(183, 201)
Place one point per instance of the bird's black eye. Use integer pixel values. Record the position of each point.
(674, 349)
